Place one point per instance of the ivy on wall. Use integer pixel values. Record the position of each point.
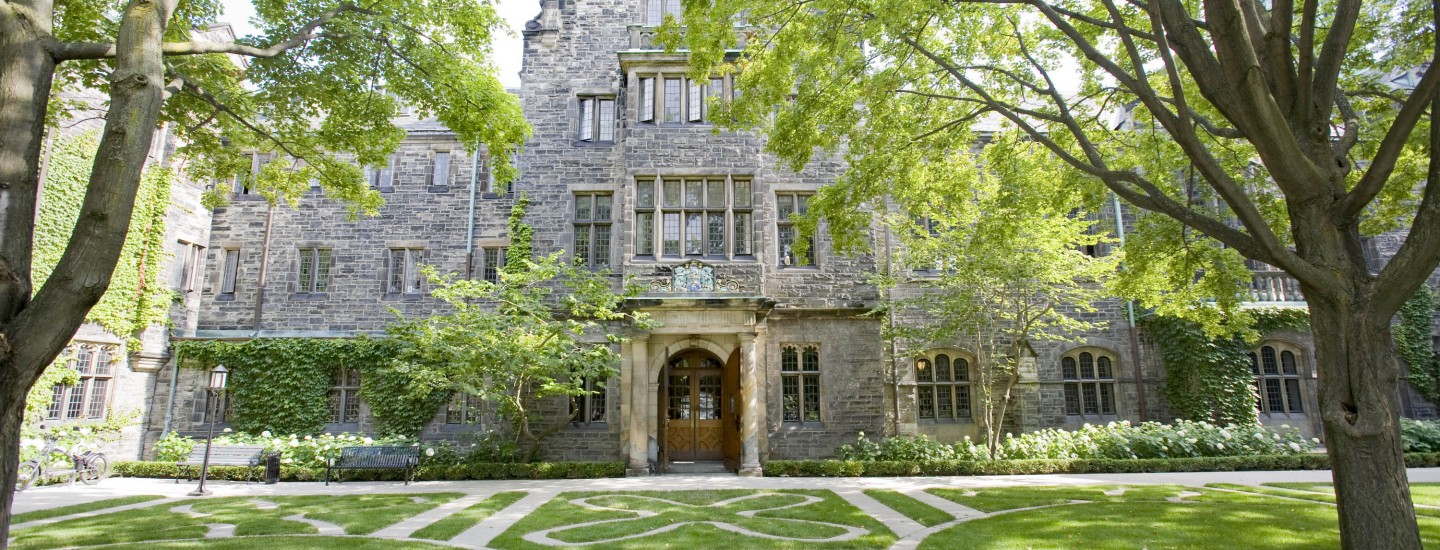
(282, 384)
(137, 297)
(1209, 377)
(1413, 339)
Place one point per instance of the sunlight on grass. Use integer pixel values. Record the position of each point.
(48, 513)
(922, 513)
(1264, 522)
(695, 507)
(997, 499)
(457, 523)
(357, 514)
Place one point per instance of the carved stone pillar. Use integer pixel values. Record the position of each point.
(749, 407)
(637, 445)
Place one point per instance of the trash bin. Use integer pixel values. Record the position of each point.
(272, 468)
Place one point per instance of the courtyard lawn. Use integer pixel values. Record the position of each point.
(687, 519)
(1147, 519)
(449, 527)
(48, 513)
(922, 513)
(997, 499)
(357, 515)
(272, 543)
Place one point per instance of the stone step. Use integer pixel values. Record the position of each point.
(697, 467)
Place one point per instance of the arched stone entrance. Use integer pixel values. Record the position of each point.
(699, 409)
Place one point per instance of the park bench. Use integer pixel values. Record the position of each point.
(356, 458)
(221, 455)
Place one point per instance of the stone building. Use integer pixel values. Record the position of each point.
(760, 356)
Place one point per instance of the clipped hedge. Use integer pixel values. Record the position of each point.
(457, 472)
(852, 468)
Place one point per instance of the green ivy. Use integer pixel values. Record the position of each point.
(1208, 377)
(282, 384)
(1413, 340)
(137, 295)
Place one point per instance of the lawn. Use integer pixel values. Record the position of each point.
(1144, 519)
(449, 527)
(272, 543)
(922, 513)
(1426, 494)
(48, 513)
(688, 519)
(357, 514)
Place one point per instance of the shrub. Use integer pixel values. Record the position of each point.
(1420, 436)
(842, 468)
(1116, 440)
(431, 472)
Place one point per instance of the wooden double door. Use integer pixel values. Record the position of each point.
(700, 408)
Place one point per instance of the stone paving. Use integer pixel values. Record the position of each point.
(909, 533)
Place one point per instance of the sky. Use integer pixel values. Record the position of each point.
(507, 47)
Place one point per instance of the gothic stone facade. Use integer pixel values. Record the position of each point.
(760, 356)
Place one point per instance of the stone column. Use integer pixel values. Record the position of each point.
(637, 459)
(749, 407)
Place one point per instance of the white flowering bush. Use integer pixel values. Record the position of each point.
(1116, 440)
(294, 449)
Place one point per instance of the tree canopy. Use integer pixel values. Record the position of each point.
(1274, 131)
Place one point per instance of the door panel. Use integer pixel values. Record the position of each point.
(697, 408)
(731, 419)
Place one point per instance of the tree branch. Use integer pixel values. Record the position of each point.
(1383, 162)
(65, 51)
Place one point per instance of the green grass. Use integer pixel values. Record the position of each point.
(922, 513)
(831, 509)
(357, 514)
(995, 500)
(457, 523)
(1213, 520)
(48, 513)
(1427, 494)
(1274, 492)
(271, 543)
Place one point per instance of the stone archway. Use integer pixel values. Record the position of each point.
(699, 409)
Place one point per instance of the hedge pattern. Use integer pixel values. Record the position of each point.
(842, 468)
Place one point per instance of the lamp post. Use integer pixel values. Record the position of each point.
(217, 386)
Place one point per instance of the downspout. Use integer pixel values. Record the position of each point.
(264, 268)
(470, 221)
(1130, 313)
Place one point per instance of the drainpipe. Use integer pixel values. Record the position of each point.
(470, 221)
(1130, 313)
(264, 268)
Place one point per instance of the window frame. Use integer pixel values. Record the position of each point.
(96, 364)
(382, 179)
(736, 234)
(490, 268)
(691, 97)
(592, 124)
(1076, 382)
(591, 227)
(413, 257)
(593, 401)
(800, 376)
(229, 265)
(192, 266)
(438, 175)
(1289, 386)
(464, 409)
(656, 10)
(955, 385)
(345, 395)
(799, 201)
(322, 269)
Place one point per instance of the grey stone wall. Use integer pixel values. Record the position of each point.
(853, 395)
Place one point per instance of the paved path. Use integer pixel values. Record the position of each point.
(910, 533)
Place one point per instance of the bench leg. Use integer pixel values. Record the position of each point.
(327, 476)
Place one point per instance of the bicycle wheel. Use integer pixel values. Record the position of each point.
(97, 467)
(29, 474)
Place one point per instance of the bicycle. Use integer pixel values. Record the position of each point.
(88, 467)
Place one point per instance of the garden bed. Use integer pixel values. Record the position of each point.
(856, 468)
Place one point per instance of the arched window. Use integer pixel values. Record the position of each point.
(1277, 379)
(1089, 382)
(942, 386)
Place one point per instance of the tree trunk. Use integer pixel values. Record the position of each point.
(33, 334)
(1360, 407)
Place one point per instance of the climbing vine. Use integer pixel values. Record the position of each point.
(282, 384)
(1208, 377)
(1413, 339)
(137, 297)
